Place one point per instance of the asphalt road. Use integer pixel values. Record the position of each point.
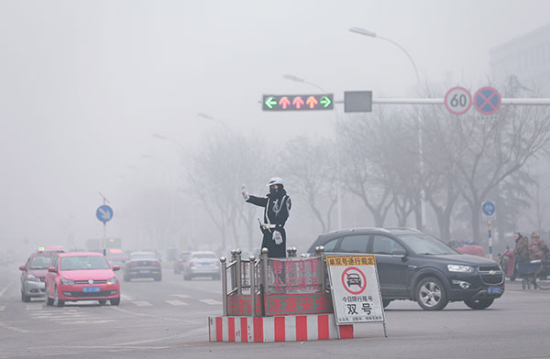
(168, 319)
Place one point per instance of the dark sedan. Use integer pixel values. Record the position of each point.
(416, 266)
(142, 265)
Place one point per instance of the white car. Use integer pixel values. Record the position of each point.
(202, 264)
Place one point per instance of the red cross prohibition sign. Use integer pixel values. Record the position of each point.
(354, 277)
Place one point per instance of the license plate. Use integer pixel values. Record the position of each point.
(144, 271)
(495, 290)
(90, 289)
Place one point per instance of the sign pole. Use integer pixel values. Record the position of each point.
(104, 214)
(104, 238)
(490, 239)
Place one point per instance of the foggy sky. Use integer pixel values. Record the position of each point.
(85, 84)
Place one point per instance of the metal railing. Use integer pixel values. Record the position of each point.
(263, 275)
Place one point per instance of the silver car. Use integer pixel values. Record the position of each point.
(142, 265)
(202, 264)
(33, 275)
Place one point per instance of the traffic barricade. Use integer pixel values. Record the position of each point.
(276, 299)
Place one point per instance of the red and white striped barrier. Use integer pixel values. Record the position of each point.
(276, 329)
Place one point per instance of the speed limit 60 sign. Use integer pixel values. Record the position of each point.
(458, 100)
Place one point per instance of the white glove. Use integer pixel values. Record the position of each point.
(245, 194)
(277, 237)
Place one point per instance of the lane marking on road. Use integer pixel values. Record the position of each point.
(125, 297)
(176, 302)
(142, 303)
(15, 329)
(33, 307)
(2, 307)
(112, 347)
(211, 301)
(87, 322)
(3, 291)
(180, 295)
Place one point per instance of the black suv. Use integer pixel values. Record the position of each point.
(415, 266)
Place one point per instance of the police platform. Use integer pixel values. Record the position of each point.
(296, 298)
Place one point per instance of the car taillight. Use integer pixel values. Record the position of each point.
(191, 264)
(132, 264)
(155, 263)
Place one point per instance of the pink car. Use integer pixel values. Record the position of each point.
(81, 276)
(472, 249)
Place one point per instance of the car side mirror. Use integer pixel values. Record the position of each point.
(115, 268)
(52, 269)
(23, 268)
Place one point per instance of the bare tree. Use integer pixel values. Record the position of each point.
(369, 162)
(441, 178)
(311, 164)
(495, 147)
(223, 163)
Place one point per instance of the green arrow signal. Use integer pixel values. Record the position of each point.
(270, 102)
(325, 101)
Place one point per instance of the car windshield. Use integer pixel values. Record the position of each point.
(145, 255)
(204, 255)
(424, 244)
(41, 262)
(84, 262)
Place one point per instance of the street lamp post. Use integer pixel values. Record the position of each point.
(173, 187)
(338, 166)
(364, 32)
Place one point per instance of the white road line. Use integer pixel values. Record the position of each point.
(211, 301)
(142, 303)
(125, 297)
(33, 307)
(180, 295)
(15, 329)
(3, 291)
(176, 302)
(2, 307)
(88, 322)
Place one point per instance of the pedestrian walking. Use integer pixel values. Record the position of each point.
(522, 257)
(537, 247)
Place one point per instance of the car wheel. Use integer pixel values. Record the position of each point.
(431, 294)
(102, 301)
(479, 304)
(386, 302)
(56, 301)
(115, 301)
(25, 298)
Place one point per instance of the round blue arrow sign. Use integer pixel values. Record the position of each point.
(488, 208)
(104, 213)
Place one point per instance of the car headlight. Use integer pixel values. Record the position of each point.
(31, 278)
(459, 268)
(112, 280)
(66, 281)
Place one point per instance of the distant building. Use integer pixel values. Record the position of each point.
(526, 57)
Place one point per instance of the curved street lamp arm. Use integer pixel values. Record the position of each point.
(406, 53)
